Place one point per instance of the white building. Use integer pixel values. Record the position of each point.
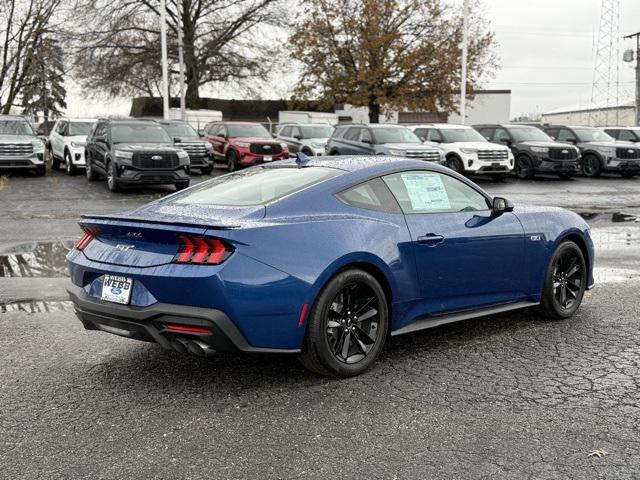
(487, 106)
(624, 115)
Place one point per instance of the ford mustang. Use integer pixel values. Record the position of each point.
(325, 259)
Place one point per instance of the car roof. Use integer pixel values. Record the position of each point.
(353, 163)
(615, 127)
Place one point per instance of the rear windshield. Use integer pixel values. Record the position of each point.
(255, 186)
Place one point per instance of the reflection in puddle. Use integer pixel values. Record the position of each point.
(614, 275)
(37, 306)
(37, 259)
(615, 217)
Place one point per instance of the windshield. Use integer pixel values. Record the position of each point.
(395, 135)
(453, 135)
(592, 135)
(80, 128)
(139, 133)
(255, 186)
(529, 134)
(248, 131)
(316, 132)
(15, 127)
(179, 130)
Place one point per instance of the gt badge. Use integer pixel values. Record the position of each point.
(536, 238)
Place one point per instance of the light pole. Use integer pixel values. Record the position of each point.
(183, 102)
(463, 72)
(165, 70)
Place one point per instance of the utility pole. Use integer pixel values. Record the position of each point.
(165, 69)
(463, 68)
(637, 37)
(183, 103)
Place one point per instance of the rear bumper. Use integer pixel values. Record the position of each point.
(148, 323)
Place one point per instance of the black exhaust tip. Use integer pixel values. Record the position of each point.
(179, 346)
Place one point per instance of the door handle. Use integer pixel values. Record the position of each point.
(430, 239)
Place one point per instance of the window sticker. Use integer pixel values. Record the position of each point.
(426, 191)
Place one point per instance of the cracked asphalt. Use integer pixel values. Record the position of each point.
(504, 397)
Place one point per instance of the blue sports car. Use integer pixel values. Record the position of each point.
(325, 259)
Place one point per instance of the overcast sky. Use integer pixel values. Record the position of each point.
(546, 49)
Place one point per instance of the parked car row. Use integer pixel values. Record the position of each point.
(127, 152)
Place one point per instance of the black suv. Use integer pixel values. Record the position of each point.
(534, 151)
(19, 146)
(185, 137)
(600, 152)
(381, 139)
(134, 152)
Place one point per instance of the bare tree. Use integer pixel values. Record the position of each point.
(24, 28)
(224, 41)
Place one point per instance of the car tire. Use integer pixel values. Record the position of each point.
(112, 177)
(347, 326)
(524, 168)
(206, 170)
(55, 162)
(591, 166)
(334, 153)
(89, 172)
(499, 177)
(563, 287)
(307, 152)
(565, 176)
(232, 161)
(182, 185)
(455, 164)
(69, 166)
(41, 170)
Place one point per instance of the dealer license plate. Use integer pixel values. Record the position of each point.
(116, 289)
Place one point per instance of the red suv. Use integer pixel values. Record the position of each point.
(241, 144)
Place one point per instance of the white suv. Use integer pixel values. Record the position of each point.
(67, 141)
(466, 151)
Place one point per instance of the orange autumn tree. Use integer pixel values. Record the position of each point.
(388, 54)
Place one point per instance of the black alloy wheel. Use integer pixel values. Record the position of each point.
(524, 168)
(455, 164)
(232, 161)
(591, 166)
(69, 166)
(566, 282)
(347, 326)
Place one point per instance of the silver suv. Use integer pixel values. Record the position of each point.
(381, 139)
(20, 148)
(308, 138)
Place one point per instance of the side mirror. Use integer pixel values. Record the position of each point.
(100, 139)
(297, 137)
(177, 140)
(201, 132)
(501, 205)
(506, 141)
(274, 135)
(436, 140)
(366, 140)
(571, 140)
(423, 139)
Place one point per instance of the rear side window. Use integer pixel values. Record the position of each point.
(371, 195)
(432, 192)
(564, 135)
(487, 133)
(255, 186)
(352, 134)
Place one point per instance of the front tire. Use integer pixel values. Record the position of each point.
(347, 326)
(591, 166)
(89, 172)
(69, 166)
(232, 161)
(112, 177)
(455, 164)
(182, 185)
(565, 282)
(206, 170)
(524, 168)
(41, 170)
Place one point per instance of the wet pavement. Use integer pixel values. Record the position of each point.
(508, 396)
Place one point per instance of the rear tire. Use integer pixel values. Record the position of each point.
(524, 168)
(347, 326)
(591, 166)
(41, 170)
(565, 282)
(206, 170)
(89, 172)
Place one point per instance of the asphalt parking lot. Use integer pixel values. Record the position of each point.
(508, 397)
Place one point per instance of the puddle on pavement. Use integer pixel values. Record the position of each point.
(42, 306)
(608, 217)
(35, 259)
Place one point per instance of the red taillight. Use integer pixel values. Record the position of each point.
(187, 329)
(85, 239)
(202, 250)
